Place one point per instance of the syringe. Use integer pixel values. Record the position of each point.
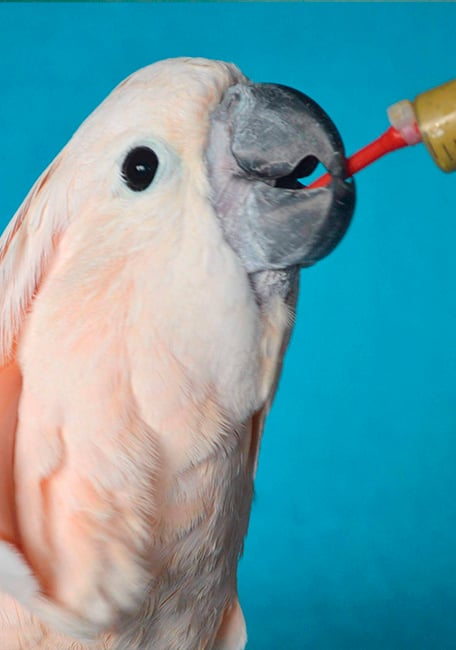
(430, 118)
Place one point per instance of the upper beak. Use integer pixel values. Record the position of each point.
(263, 138)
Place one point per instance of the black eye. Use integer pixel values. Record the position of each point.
(139, 168)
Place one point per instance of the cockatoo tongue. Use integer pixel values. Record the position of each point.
(262, 137)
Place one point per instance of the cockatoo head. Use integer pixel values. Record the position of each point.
(193, 123)
(185, 150)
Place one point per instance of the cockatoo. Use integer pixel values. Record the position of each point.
(148, 285)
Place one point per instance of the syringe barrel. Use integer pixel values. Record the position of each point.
(435, 112)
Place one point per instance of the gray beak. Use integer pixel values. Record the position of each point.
(263, 138)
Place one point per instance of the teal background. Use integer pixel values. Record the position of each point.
(353, 532)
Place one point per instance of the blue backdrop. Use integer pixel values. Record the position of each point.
(353, 534)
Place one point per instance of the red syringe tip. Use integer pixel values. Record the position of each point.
(389, 141)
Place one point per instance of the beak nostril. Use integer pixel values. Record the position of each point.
(232, 97)
(309, 166)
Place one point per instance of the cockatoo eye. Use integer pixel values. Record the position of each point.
(139, 168)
